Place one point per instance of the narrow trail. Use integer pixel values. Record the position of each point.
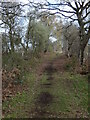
(45, 98)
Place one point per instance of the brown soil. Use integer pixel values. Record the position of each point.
(45, 99)
(55, 65)
(59, 63)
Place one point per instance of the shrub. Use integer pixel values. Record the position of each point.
(71, 64)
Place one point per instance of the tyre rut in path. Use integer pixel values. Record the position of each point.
(45, 99)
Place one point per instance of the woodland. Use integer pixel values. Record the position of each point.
(45, 58)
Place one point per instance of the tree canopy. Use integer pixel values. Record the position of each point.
(76, 11)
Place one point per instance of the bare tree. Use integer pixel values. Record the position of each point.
(10, 20)
(71, 40)
(75, 11)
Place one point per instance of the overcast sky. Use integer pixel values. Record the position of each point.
(26, 1)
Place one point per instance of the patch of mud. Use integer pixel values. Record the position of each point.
(50, 78)
(50, 69)
(45, 98)
(43, 101)
(46, 85)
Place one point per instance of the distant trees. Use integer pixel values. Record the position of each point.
(38, 36)
(10, 20)
(77, 10)
(35, 35)
(55, 27)
(71, 43)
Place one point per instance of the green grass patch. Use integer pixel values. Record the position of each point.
(70, 91)
(43, 80)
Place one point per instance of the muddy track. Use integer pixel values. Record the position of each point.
(45, 99)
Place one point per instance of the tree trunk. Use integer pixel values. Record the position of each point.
(82, 48)
(12, 46)
(83, 43)
(11, 41)
(82, 56)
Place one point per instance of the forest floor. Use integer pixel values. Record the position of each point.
(50, 91)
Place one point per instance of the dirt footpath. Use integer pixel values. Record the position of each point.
(45, 99)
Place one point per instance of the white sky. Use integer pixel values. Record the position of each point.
(26, 1)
